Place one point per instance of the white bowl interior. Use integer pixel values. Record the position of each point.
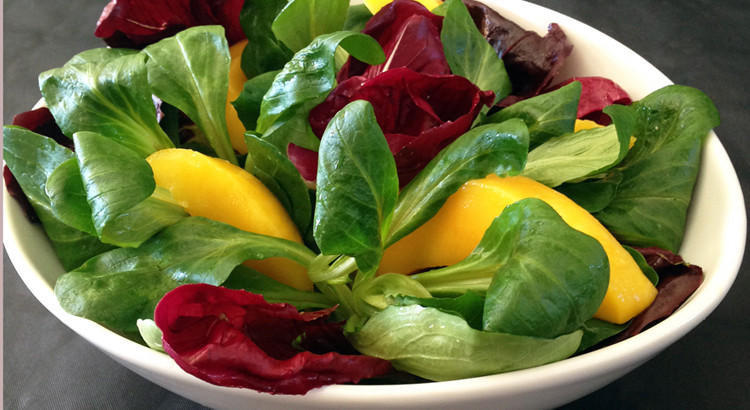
(717, 218)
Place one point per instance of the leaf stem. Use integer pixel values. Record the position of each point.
(340, 294)
(333, 269)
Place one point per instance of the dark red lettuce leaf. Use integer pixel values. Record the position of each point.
(15, 192)
(597, 93)
(235, 338)
(41, 122)
(410, 37)
(531, 61)
(419, 114)
(305, 161)
(677, 281)
(138, 23)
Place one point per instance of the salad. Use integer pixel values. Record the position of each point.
(384, 192)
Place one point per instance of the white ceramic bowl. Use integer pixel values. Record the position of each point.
(717, 217)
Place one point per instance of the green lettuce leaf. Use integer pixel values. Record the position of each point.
(357, 187)
(32, 158)
(493, 148)
(277, 172)
(123, 285)
(112, 97)
(108, 191)
(584, 153)
(265, 52)
(469, 54)
(659, 172)
(301, 21)
(248, 102)
(441, 346)
(190, 71)
(540, 277)
(306, 80)
(546, 115)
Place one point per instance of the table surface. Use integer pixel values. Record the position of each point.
(701, 43)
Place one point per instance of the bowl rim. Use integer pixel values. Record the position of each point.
(20, 242)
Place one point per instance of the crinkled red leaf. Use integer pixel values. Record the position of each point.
(532, 61)
(597, 93)
(138, 23)
(677, 281)
(235, 338)
(419, 114)
(410, 37)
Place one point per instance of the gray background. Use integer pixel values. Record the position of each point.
(705, 44)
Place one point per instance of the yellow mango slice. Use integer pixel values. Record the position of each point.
(375, 5)
(216, 189)
(237, 81)
(588, 124)
(457, 228)
(585, 125)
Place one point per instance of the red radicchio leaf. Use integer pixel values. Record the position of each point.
(677, 281)
(531, 61)
(15, 192)
(419, 114)
(138, 23)
(235, 338)
(41, 122)
(410, 37)
(597, 93)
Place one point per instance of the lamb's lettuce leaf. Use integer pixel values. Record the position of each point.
(356, 17)
(108, 191)
(550, 278)
(243, 277)
(307, 78)
(150, 334)
(469, 54)
(541, 277)
(265, 52)
(248, 102)
(596, 331)
(120, 286)
(67, 197)
(300, 21)
(547, 115)
(577, 155)
(190, 71)
(139, 223)
(108, 93)
(440, 346)
(494, 148)
(593, 194)
(469, 306)
(278, 174)
(357, 187)
(659, 172)
(115, 178)
(98, 55)
(32, 158)
(379, 292)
